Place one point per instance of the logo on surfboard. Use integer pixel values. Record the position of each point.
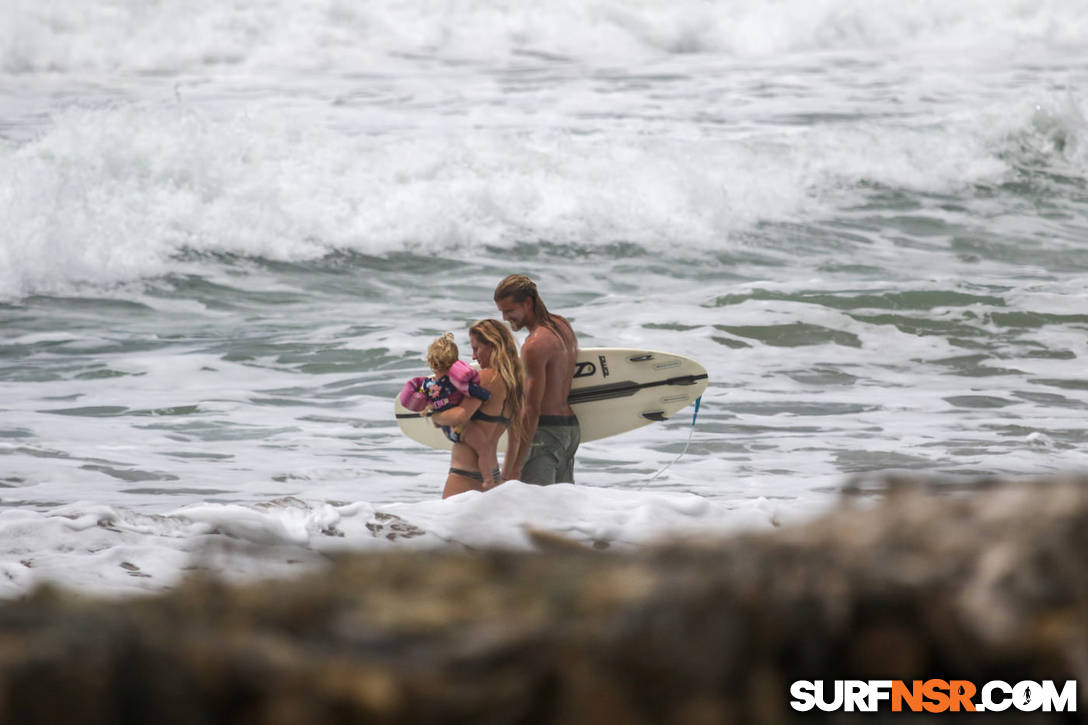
(585, 369)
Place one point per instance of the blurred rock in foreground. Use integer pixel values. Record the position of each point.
(986, 585)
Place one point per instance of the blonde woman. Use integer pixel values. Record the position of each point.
(494, 347)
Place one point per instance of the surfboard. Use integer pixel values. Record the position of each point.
(615, 390)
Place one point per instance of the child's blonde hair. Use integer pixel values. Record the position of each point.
(442, 353)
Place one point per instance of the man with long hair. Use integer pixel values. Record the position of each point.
(549, 434)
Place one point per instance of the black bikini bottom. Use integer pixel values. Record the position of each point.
(474, 475)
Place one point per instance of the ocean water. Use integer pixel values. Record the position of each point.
(230, 228)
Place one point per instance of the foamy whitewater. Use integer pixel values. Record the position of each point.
(230, 229)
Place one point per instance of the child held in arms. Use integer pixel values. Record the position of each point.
(452, 380)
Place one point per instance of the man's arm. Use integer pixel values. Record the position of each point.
(534, 358)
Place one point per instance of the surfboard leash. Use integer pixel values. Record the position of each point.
(691, 433)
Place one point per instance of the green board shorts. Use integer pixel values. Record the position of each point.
(551, 456)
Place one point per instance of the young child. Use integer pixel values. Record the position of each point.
(452, 380)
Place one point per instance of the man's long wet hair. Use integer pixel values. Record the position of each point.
(519, 288)
(507, 363)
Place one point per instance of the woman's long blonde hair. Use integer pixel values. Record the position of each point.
(507, 363)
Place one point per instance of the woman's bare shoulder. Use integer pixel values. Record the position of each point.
(490, 379)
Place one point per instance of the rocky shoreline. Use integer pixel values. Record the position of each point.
(987, 583)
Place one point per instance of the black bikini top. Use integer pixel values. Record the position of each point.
(488, 418)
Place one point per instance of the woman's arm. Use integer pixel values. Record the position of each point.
(462, 413)
(459, 414)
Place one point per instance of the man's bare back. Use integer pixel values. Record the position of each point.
(559, 348)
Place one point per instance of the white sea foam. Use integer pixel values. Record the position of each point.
(112, 550)
(134, 36)
(115, 194)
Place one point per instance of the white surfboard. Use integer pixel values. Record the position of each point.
(615, 390)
